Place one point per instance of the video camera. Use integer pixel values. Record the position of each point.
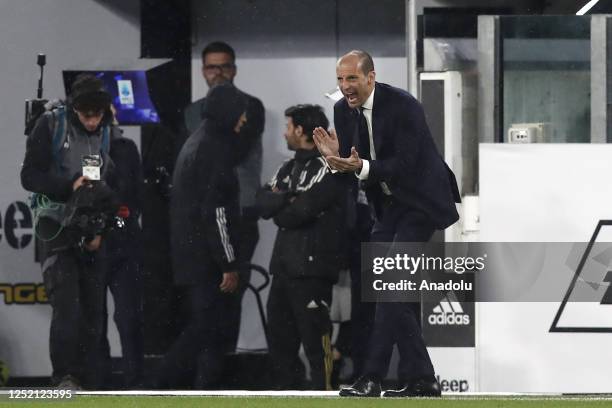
(35, 107)
(91, 210)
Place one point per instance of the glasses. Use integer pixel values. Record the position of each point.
(223, 67)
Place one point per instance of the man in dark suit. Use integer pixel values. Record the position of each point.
(383, 139)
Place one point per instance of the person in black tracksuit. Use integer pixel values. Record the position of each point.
(306, 204)
(124, 260)
(219, 66)
(204, 213)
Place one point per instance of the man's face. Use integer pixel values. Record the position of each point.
(218, 68)
(353, 83)
(91, 119)
(292, 135)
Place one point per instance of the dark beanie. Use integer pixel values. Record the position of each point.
(88, 94)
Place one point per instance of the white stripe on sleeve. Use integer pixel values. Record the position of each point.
(225, 242)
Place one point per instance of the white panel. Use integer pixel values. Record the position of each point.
(541, 193)
(454, 368)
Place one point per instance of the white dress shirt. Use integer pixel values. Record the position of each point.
(368, 106)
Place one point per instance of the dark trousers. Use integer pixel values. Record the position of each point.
(232, 303)
(298, 312)
(362, 313)
(198, 351)
(124, 279)
(74, 283)
(397, 322)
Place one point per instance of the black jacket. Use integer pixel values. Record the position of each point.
(127, 181)
(53, 175)
(308, 209)
(204, 206)
(406, 157)
(39, 174)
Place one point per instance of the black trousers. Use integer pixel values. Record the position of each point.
(397, 322)
(124, 279)
(298, 312)
(74, 282)
(198, 352)
(362, 313)
(232, 303)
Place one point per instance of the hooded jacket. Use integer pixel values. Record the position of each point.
(204, 207)
(250, 159)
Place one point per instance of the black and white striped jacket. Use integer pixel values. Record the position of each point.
(204, 209)
(306, 203)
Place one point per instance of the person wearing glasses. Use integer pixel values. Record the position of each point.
(218, 67)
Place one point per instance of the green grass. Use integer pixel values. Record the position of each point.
(285, 402)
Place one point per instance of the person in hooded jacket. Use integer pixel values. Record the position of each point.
(124, 259)
(219, 66)
(73, 272)
(204, 214)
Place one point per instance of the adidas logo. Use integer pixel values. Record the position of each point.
(448, 312)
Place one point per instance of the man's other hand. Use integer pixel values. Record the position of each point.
(351, 164)
(79, 182)
(327, 143)
(94, 244)
(230, 282)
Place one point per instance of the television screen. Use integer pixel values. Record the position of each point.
(129, 92)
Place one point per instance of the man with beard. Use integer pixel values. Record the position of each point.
(306, 204)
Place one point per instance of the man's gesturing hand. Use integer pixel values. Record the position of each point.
(327, 143)
(350, 164)
(230, 282)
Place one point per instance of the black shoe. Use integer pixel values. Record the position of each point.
(418, 388)
(364, 387)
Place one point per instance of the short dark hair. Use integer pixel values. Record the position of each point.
(88, 94)
(219, 46)
(366, 63)
(308, 117)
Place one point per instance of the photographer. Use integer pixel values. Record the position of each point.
(66, 163)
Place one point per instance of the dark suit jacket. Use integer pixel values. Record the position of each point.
(406, 157)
